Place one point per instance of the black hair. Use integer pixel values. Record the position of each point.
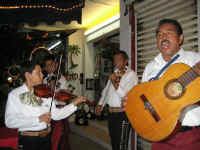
(123, 53)
(27, 66)
(39, 55)
(177, 25)
(49, 57)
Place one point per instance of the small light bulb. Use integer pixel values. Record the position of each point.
(10, 80)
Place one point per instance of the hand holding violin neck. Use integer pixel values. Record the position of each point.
(79, 100)
(115, 79)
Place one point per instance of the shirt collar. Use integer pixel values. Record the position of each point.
(159, 59)
(51, 74)
(25, 87)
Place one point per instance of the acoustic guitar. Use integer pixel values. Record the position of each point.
(153, 107)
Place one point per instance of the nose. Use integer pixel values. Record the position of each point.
(164, 36)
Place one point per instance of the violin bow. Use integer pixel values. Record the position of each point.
(53, 64)
(58, 72)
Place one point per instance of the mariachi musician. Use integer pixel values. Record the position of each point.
(31, 114)
(118, 85)
(167, 94)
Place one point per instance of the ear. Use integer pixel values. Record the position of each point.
(181, 39)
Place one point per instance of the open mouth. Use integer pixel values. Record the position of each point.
(165, 44)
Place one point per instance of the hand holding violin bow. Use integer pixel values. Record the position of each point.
(45, 118)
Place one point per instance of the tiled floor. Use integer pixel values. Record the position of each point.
(96, 132)
(94, 136)
(78, 142)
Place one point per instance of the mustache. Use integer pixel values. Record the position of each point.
(164, 41)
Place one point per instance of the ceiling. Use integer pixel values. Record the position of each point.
(16, 40)
(94, 12)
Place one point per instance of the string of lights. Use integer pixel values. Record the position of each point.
(47, 5)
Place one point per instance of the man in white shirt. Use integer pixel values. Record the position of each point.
(118, 85)
(51, 67)
(30, 114)
(169, 39)
(60, 128)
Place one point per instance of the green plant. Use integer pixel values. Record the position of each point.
(73, 50)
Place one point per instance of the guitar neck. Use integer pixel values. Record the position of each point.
(189, 75)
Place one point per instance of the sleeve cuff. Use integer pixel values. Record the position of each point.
(36, 122)
(100, 102)
(74, 107)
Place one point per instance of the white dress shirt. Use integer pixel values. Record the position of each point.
(62, 84)
(191, 115)
(25, 117)
(112, 96)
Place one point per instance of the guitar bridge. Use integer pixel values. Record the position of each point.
(149, 107)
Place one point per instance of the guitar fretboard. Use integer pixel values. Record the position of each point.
(189, 75)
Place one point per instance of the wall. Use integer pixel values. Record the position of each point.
(85, 61)
(77, 39)
(125, 31)
(89, 67)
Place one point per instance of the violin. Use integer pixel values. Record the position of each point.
(43, 91)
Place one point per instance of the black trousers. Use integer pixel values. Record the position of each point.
(115, 129)
(34, 142)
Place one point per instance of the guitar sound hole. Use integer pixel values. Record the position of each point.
(174, 89)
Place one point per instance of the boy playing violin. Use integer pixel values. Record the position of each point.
(30, 114)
